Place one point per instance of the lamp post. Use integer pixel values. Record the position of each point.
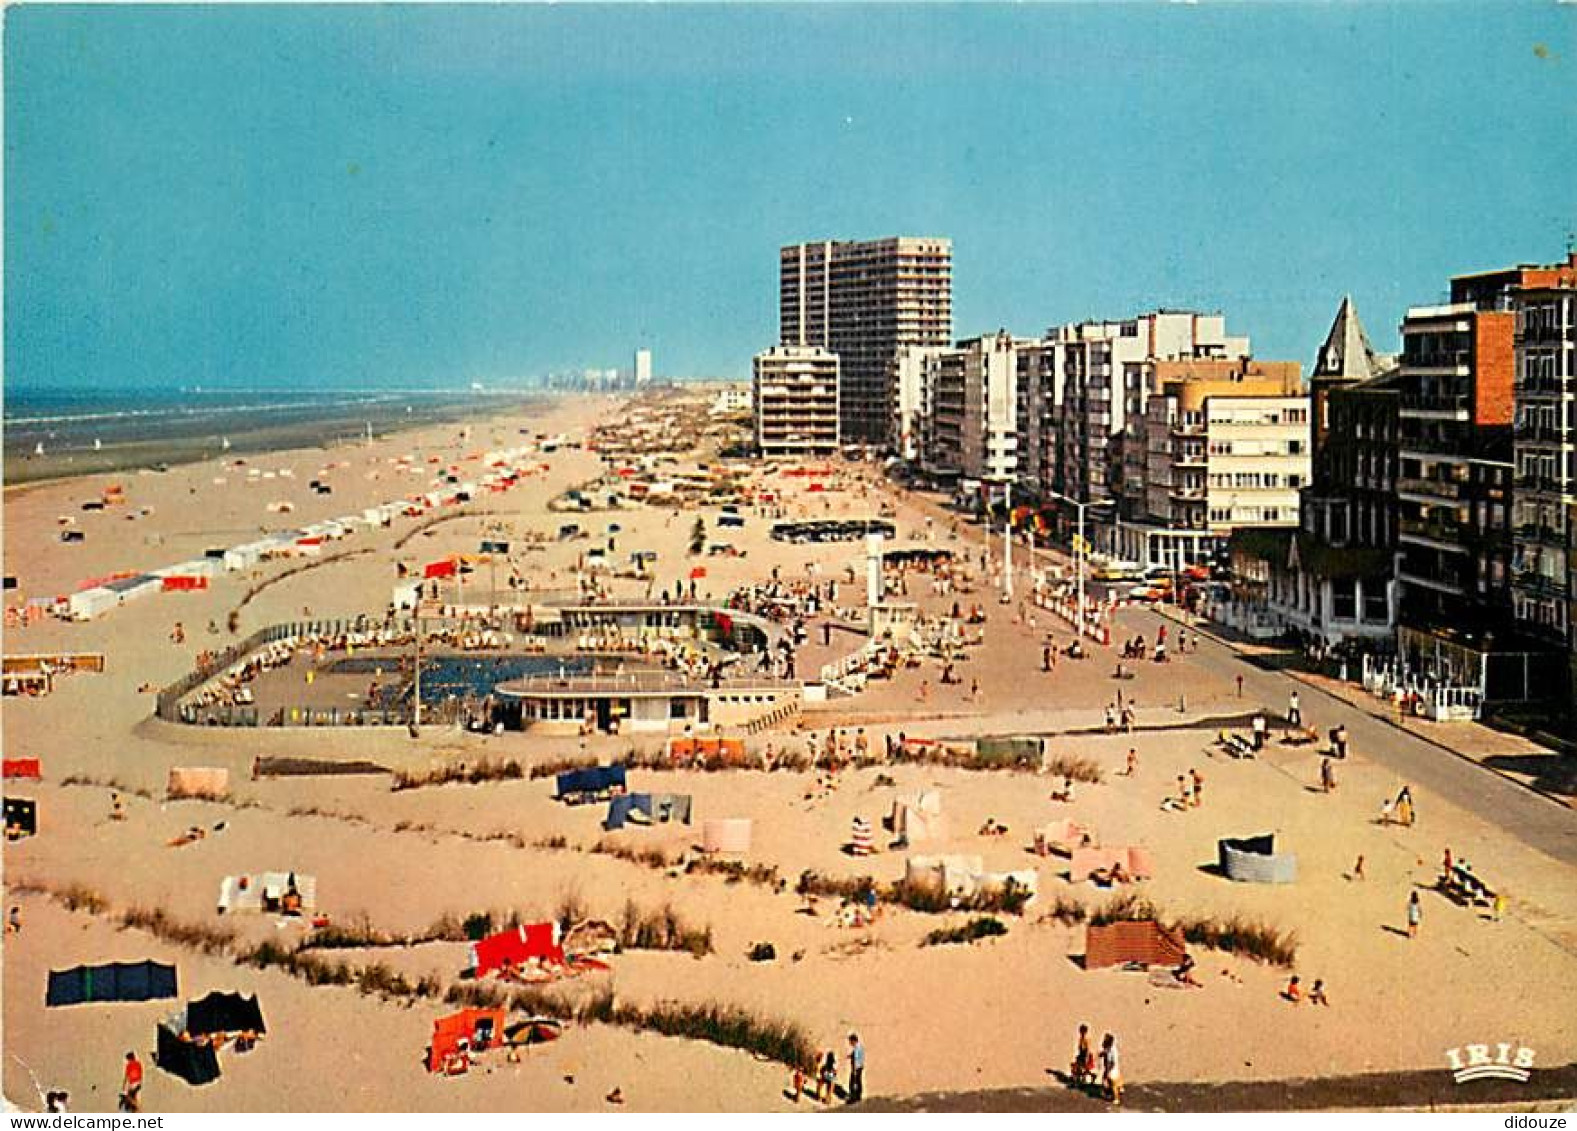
(1079, 555)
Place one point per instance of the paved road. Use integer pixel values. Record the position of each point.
(1530, 817)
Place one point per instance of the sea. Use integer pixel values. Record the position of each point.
(57, 432)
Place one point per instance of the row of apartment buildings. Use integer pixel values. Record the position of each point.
(1443, 505)
(1163, 423)
(1423, 502)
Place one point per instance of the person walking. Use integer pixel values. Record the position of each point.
(1111, 1069)
(1133, 762)
(1199, 787)
(1083, 1068)
(1357, 868)
(131, 1084)
(1415, 915)
(1327, 776)
(827, 1077)
(1259, 730)
(1294, 715)
(856, 1069)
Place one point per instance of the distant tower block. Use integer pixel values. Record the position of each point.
(643, 367)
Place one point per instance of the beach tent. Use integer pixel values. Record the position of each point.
(1142, 942)
(1135, 861)
(21, 813)
(1255, 860)
(197, 1064)
(529, 942)
(1062, 837)
(224, 1013)
(647, 809)
(266, 891)
(198, 781)
(862, 838)
(918, 817)
(117, 981)
(726, 834)
(22, 768)
(587, 784)
(950, 875)
(479, 1028)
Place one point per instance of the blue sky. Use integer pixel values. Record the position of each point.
(415, 196)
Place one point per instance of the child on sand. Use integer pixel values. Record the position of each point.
(1415, 915)
(1317, 994)
(1083, 1068)
(828, 1077)
(1294, 991)
(1111, 1069)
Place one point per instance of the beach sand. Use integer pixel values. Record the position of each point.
(997, 1014)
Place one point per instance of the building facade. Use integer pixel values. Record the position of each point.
(971, 410)
(794, 393)
(643, 368)
(1081, 386)
(866, 301)
(1331, 580)
(1222, 444)
(1544, 451)
(1454, 475)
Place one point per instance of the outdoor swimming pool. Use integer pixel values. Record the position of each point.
(452, 677)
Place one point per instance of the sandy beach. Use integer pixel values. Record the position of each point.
(997, 1014)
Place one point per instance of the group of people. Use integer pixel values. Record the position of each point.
(1105, 1071)
(826, 1075)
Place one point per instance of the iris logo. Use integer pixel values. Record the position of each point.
(1482, 1062)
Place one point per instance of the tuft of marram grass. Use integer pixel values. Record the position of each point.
(981, 927)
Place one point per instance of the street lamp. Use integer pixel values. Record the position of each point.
(1079, 553)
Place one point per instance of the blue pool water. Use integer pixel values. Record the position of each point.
(446, 677)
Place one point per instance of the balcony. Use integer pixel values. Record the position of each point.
(1544, 485)
(1186, 492)
(1190, 459)
(1543, 432)
(1424, 581)
(1188, 428)
(1429, 489)
(1542, 535)
(1532, 583)
(1438, 407)
(1543, 387)
(1433, 532)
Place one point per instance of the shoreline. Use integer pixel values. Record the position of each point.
(332, 432)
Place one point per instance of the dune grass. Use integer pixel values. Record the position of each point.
(458, 773)
(115, 784)
(1234, 934)
(982, 927)
(661, 928)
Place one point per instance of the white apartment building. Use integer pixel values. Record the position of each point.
(1221, 445)
(795, 394)
(732, 398)
(643, 368)
(1088, 380)
(906, 380)
(970, 398)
